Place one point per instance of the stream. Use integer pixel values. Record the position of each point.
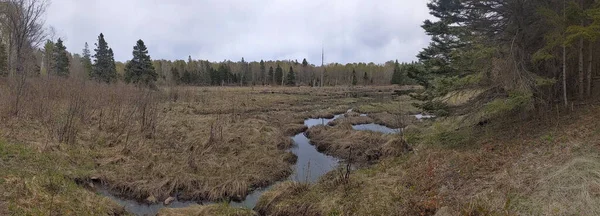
(311, 165)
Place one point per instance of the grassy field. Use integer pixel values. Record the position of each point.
(202, 143)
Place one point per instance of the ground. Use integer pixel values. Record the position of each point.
(218, 143)
(202, 143)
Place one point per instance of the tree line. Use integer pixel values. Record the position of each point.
(27, 49)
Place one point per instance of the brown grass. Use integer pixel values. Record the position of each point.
(511, 168)
(361, 147)
(270, 202)
(202, 143)
(352, 120)
(215, 209)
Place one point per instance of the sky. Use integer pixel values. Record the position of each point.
(217, 30)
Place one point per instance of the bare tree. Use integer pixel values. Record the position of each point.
(23, 21)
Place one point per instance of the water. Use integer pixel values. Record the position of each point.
(376, 128)
(320, 121)
(311, 165)
(137, 208)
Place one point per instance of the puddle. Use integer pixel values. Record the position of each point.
(376, 128)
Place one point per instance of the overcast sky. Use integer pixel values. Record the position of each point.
(349, 30)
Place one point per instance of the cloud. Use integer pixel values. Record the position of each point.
(348, 30)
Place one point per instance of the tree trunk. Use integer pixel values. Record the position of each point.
(580, 71)
(589, 72)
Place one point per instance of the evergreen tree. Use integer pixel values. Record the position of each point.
(271, 76)
(48, 65)
(365, 78)
(224, 74)
(262, 71)
(86, 60)
(304, 63)
(291, 77)
(61, 59)
(354, 79)
(140, 69)
(278, 75)
(175, 76)
(104, 68)
(113, 66)
(397, 75)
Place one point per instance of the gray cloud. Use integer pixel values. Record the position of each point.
(349, 30)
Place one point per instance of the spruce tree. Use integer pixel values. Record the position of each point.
(354, 79)
(291, 77)
(86, 60)
(262, 71)
(271, 75)
(140, 69)
(61, 59)
(397, 75)
(278, 75)
(365, 78)
(104, 69)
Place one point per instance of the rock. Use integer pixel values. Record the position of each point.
(169, 200)
(152, 200)
(91, 185)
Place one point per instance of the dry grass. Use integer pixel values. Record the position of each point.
(270, 202)
(352, 120)
(361, 147)
(519, 168)
(201, 143)
(34, 183)
(200, 210)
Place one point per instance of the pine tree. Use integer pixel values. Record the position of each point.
(140, 69)
(354, 79)
(262, 71)
(365, 78)
(278, 75)
(86, 60)
(104, 68)
(291, 77)
(397, 75)
(304, 63)
(61, 59)
(271, 76)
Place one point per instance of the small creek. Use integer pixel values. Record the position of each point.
(311, 165)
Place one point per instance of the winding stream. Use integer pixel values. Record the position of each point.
(311, 165)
